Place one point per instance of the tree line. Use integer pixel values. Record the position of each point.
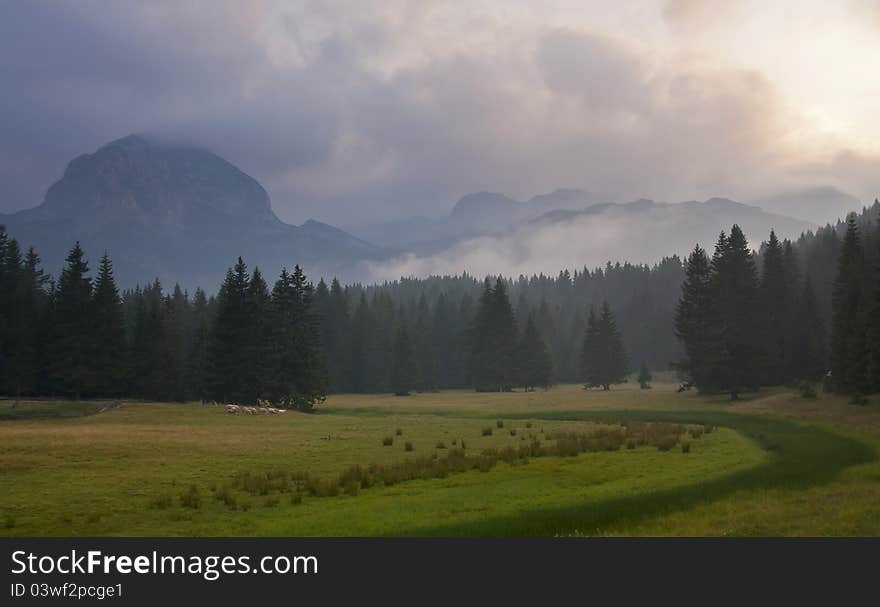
(744, 319)
(743, 327)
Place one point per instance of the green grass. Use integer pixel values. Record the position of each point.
(804, 470)
(12, 410)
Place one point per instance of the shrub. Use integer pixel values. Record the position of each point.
(665, 443)
(296, 498)
(408, 446)
(708, 428)
(191, 498)
(513, 431)
(160, 502)
(441, 444)
(226, 496)
(630, 444)
(696, 432)
(454, 441)
(352, 488)
(858, 399)
(500, 423)
(399, 432)
(807, 390)
(528, 424)
(387, 441)
(271, 501)
(487, 431)
(685, 447)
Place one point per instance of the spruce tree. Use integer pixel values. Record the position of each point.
(533, 361)
(493, 340)
(693, 320)
(109, 332)
(197, 357)
(808, 351)
(873, 325)
(735, 306)
(403, 368)
(74, 337)
(604, 358)
(848, 343)
(296, 377)
(361, 345)
(774, 312)
(230, 336)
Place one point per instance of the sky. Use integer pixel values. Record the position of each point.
(357, 112)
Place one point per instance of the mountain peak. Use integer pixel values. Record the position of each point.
(140, 177)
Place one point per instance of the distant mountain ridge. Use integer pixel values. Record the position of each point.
(176, 212)
(821, 205)
(482, 214)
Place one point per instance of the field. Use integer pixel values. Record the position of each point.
(772, 464)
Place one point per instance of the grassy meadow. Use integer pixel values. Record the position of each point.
(772, 464)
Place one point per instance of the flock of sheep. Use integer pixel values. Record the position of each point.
(263, 408)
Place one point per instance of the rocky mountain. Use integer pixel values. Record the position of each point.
(819, 205)
(177, 213)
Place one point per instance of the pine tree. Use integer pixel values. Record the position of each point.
(734, 305)
(645, 377)
(774, 311)
(403, 369)
(296, 377)
(604, 359)
(109, 332)
(335, 334)
(693, 324)
(361, 345)
(808, 351)
(74, 339)
(848, 343)
(534, 363)
(423, 348)
(230, 335)
(873, 326)
(493, 340)
(197, 357)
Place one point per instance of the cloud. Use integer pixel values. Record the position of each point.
(358, 113)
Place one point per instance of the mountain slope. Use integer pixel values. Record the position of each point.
(178, 213)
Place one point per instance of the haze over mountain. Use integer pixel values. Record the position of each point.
(821, 205)
(175, 212)
(642, 231)
(183, 214)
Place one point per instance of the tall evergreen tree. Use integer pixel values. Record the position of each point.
(693, 320)
(403, 373)
(604, 358)
(734, 297)
(197, 357)
(296, 376)
(808, 351)
(74, 339)
(534, 365)
(493, 340)
(109, 332)
(774, 311)
(848, 343)
(228, 350)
